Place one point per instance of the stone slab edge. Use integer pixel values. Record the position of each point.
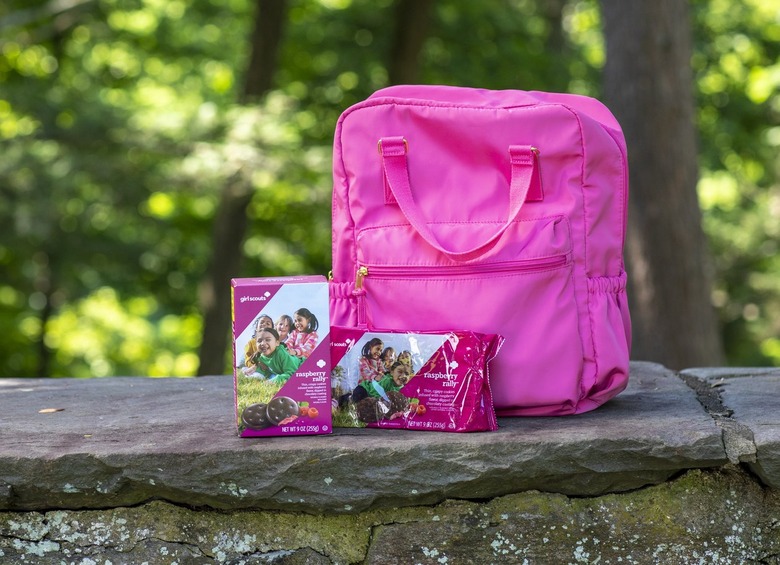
(125, 441)
(744, 403)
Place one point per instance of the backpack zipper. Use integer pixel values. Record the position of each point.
(525, 266)
(362, 272)
(388, 271)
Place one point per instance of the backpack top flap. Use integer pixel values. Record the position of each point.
(457, 143)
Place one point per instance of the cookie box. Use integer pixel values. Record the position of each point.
(427, 381)
(281, 356)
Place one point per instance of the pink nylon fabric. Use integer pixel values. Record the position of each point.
(552, 283)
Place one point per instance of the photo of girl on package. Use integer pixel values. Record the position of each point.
(370, 366)
(438, 381)
(394, 380)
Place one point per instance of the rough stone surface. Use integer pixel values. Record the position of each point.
(159, 532)
(752, 397)
(717, 517)
(714, 516)
(125, 441)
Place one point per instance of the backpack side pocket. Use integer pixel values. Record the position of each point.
(611, 326)
(343, 304)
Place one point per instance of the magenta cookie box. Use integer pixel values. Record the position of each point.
(281, 356)
(426, 381)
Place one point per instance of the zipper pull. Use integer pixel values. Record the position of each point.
(360, 298)
(362, 272)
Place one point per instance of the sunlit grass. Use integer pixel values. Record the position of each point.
(346, 418)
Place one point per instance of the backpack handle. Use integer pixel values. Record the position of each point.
(524, 166)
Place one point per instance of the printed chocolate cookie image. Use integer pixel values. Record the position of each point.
(398, 403)
(370, 410)
(255, 417)
(281, 409)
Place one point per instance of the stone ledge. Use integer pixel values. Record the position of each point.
(750, 419)
(126, 441)
(715, 516)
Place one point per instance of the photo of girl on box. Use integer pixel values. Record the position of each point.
(284, 325)
(250, 351)
(272, 360)
(303, 339)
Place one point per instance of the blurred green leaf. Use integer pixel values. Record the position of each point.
(119, 128)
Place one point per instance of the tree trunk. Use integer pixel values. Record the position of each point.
(266, 40)
(231, 222)
(648, 83)
(557, 73)
(44, 285)
(552, 12)
(412, 24)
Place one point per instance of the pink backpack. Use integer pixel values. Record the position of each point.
(491, 211)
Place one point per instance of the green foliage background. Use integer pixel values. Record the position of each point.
(119, 127)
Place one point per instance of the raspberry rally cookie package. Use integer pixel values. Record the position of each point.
(281, 356)
(427, 381)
